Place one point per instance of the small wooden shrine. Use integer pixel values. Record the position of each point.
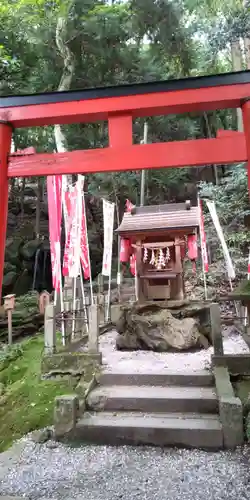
(158, 238)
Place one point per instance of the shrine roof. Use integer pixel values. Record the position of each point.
(160, 217)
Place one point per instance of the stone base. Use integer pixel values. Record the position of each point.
(65, 415)
(230, 409)
(237, 364)
(71, 364)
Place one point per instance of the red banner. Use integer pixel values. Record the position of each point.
(203, 240)
(54, 190)
(70, 211)
(84, 244)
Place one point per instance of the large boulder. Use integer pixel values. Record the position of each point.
(26, 319)
(29, 249)
(153, 327)
(12, 250)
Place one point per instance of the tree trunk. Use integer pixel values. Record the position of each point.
(209, 134)
(246, 40)
(67, 75)
(22, 197)
(237, 64)
(38, 206)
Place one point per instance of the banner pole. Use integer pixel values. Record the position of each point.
(84, 300)
(108, 299)
(108, 222)
(202, 250)
(248, 277)
(87, 244)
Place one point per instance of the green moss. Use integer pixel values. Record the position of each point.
(242, 289)
(242, 389)
(28, 402)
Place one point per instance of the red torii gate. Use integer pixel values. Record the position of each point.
(119, 106)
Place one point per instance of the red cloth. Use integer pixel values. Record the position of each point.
(192, 247)
(54, 189)
(133, 264)
(125, 250)
(128, 206)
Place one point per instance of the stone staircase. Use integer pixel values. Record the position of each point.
(166, 409)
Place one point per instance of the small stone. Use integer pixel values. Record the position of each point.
(51, 445)
(41, 436)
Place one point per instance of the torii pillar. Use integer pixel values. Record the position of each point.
(5, 145)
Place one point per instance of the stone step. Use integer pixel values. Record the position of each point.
(153, 399)
(170, 429)
(200, 378)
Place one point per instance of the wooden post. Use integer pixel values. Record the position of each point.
(79, 321)
(216, 329)
(67, 321)
(50, 329)
(93, 328)
(100, 289)
(9, 304)
(179, 279)
(5, 145)
(138, 283)
(44, 300)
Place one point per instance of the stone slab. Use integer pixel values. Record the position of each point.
(223, 384)
(202, 378)
(231, 416)
(216, 328)
(237, 364)
(230, 409)
(171, 429)
(153, 399)
(65, 414)
(70, 363)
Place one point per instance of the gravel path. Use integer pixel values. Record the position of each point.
(148, 361)
(104, 473)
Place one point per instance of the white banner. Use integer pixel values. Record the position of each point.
(75, 233)
(108, 223)
(215, 219)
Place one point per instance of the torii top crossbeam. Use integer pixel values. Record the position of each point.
(144, 99)
(119, 106)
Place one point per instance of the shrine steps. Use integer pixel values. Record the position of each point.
(201, 378)
(160, 409)
(162, 429)
(153, 399)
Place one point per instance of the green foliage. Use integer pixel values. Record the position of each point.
(28, 402)
(232, 204)
(9, 354)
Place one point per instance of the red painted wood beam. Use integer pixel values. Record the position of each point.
(5, 143)
(159, 103)
(228, 133)
(120, 130)
(172, 154)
